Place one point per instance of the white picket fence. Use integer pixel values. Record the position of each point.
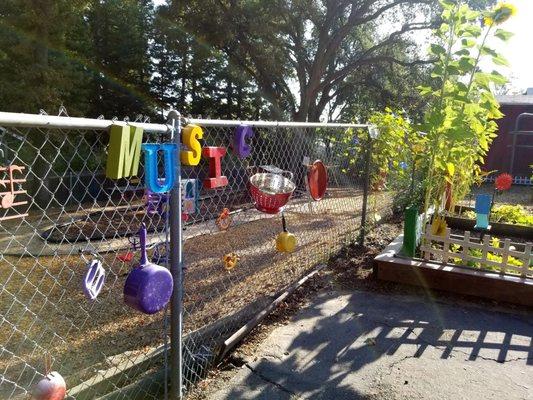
(517, 180)
(439, 248)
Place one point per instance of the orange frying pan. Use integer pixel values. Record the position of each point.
(317, 180)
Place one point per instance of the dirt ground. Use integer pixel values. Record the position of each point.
(350, 269)
(45, 310)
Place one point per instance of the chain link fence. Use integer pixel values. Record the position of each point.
(59, 211)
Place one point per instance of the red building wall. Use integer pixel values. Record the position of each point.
(499, 155)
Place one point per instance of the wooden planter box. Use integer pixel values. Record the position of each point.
(391, 266)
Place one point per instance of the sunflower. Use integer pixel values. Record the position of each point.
(501, 13)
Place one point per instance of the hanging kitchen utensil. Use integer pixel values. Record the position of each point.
(149, 286)
(271, 191)
(94, 279)
(285, 241)
(230, 261)
(224, 220)
(317, 180)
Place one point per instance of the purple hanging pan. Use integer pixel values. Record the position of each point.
(148, 286)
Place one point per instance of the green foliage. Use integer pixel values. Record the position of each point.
(396, 156)
(335, 53)
(39, 69)
(461, 121)
(506, 213)
(120, 31)
(511, 214)
(195, 78)
(478, 253)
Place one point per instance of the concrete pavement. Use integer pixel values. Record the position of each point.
(363, 345)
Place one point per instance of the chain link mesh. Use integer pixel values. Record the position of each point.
(75, 214)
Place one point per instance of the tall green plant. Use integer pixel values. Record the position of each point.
(460, 123)
(395, 156)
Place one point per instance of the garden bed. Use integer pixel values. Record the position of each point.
(391, 266)
(497, 228)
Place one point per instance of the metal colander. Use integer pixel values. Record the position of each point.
(271, 191)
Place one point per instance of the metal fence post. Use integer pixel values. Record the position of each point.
(366, 185)
(373, 134)
(176, 269)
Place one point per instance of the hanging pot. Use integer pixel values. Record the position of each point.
(270, 191)
(285, 242)
(317, 180)
(149, 286)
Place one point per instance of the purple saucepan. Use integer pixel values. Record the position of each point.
(148, 286)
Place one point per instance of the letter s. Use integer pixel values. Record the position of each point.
(190, 135)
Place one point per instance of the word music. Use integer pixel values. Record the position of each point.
(125, 144)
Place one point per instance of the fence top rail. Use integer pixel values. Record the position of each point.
(50, 121)
(270, 124)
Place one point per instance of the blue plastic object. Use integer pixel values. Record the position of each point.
(482, 221)
(152, 180)
(483, 202)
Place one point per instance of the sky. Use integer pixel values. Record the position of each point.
(519, 49)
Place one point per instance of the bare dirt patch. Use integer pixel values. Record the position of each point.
(44, 309)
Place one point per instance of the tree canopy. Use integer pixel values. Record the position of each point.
(299, 59)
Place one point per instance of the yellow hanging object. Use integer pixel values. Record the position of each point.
(285, 241)
(438, 226)
(230, 261)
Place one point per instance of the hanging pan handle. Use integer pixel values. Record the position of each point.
(289, 173)
(142, 239)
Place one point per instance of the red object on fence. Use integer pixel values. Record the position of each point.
(126, 257)
(503, 182)
(216, 179)
(270, 192)
(317, 179)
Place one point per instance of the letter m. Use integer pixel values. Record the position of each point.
(124, 151)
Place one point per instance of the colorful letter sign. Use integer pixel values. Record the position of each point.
(124, 151)
(216, 179)
(152, 180)
(240, 147)
(191, 134)
(7, 199)
(189, 196)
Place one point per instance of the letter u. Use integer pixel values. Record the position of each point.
(151, 177)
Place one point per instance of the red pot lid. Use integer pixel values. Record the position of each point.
(317, 179)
